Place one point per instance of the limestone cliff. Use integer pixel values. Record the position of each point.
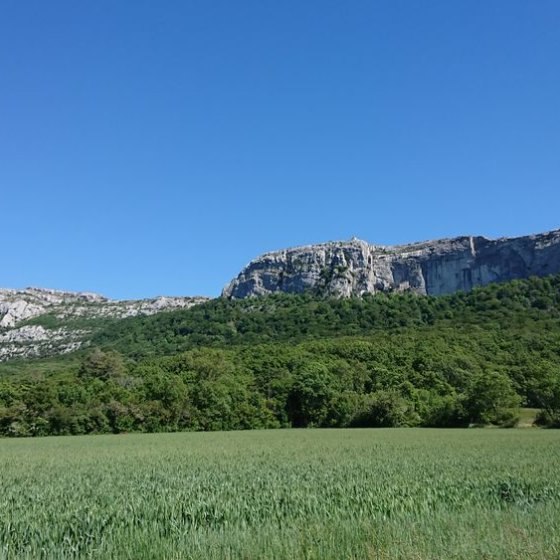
(347, 268)
(38, 322)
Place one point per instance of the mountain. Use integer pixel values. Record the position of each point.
(294, 360)
(355, 267)
(37, 321)
(362, 342)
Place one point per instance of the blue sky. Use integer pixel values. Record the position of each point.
(156, 147)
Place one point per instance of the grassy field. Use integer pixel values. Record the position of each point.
(324, 494)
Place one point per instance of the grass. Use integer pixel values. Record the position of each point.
(310, 494)
(527, 417)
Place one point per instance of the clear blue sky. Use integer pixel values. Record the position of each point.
(156, 147)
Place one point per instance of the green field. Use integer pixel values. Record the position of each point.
(325, 494)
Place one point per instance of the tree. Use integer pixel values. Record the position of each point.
(311, 396)
(547, 395)
(491, 399)
(102, 365)
(386, 409)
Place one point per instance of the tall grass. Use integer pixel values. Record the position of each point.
(283, 494)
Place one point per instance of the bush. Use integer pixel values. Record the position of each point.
(386, 409)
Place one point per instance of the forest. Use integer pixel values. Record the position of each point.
(384, 360)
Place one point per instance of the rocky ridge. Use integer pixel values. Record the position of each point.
(355, 267)
(38, 322)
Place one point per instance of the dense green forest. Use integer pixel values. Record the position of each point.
(299, 360)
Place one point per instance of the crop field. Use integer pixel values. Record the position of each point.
(313, 494)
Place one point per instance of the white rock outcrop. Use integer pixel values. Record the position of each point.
(355, 267)
(21, 340)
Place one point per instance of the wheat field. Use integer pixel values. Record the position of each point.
(310, 494)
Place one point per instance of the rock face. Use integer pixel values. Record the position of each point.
(57, 313)
(354, 268)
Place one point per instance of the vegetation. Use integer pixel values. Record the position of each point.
(525, 304)
(289, 360)
(55, 321)
(325, 494)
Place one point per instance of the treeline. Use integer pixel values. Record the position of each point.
(297, 361)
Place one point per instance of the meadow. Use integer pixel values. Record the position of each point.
(274, 494)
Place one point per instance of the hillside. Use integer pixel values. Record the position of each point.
(299, 360)
(295, 317)
(37, 322)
